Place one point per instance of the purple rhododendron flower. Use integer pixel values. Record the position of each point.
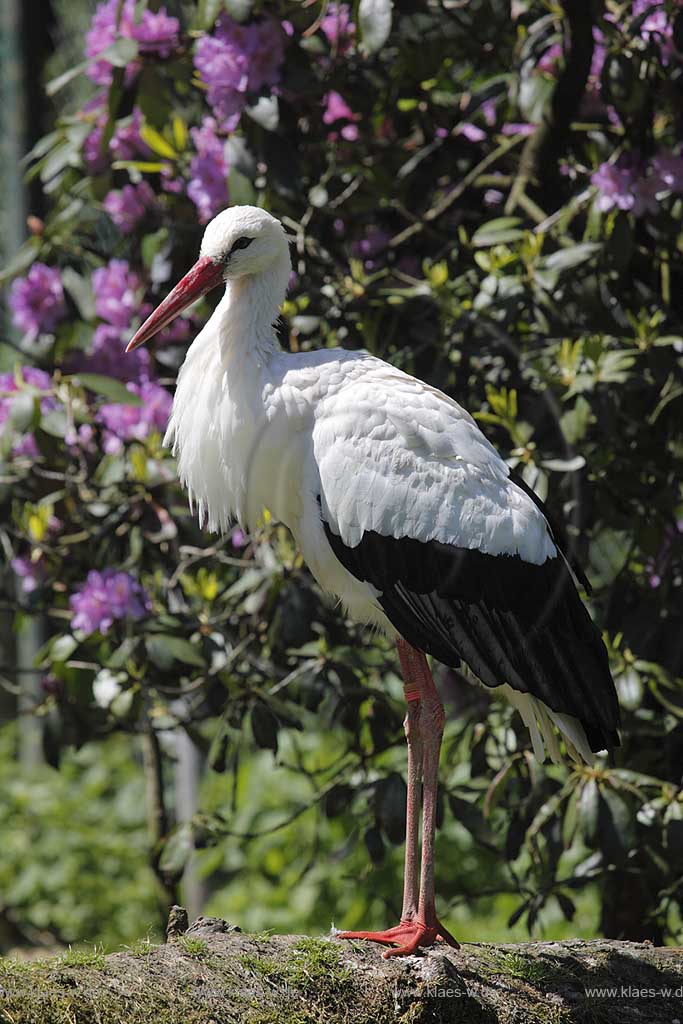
(372, 244)
(338, 27)
(668, 169)
(656, 25)
(105, 597)
(236, 58)
(155, 32)
(127, 142)
(267, 53)
(471, 132)
(93, 157)
(103, 32)
(549, 61)
(106, 355)
(29, 572)
(518, 128)
(623, 187)
(208, 185)
(128, 205)
(336, 108)
(375, 240)
(37, 300)
(488, 109)
(135, 422)
(83, 438)
(493, 197)
(116, 292)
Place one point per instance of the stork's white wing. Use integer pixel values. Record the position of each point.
(416, 502)
(401, 459)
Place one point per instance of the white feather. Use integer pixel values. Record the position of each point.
(255, 427)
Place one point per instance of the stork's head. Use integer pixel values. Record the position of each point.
(241, 241)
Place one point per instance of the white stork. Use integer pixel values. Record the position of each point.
(402, 510)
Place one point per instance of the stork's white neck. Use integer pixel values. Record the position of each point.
(247, 312)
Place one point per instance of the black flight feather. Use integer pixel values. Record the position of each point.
(509, 620)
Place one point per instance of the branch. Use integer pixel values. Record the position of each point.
(157, 816)
(541, 153)
(212, 972)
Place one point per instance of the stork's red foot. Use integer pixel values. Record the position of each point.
(408, 937)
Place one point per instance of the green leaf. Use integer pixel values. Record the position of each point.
(588, 811)
(156, 142)
(264, 726)
(164, 650)
(62, 647)
(120, 53)
(574, 422)
(374, 844)
(109, 387)
(54, 423)
(80, 290)
(122, 653)
(55, 84)
(22, 261)
(374, 19)
(498, 231)
(565, 259)
(225, 738)
(617, 824)
(238, 9)
(567, 905)
(470, 817)
(390, 806)
(180, 133)
(144, 166)
(153, 244)
(338, 799)
(242, 192)
(24, 412)
(265, 112)
(609, 552)
(564, 465)
(176, 850)
(208, 11)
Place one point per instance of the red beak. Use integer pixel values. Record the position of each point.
(204, 275)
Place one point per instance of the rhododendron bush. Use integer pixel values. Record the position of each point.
(490, 198)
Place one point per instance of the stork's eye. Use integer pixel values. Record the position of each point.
(241, 243)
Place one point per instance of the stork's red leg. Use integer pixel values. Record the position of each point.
(419, 925)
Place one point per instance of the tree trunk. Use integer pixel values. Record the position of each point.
(214, 974)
